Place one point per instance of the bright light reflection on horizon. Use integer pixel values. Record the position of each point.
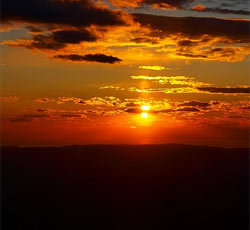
(144, 115)
(145, 107)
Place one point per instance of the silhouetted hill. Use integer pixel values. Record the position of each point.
(125, 187)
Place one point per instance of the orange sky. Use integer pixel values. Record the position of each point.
(81, 74)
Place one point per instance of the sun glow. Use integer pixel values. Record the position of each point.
(144, 115)
(145, 107)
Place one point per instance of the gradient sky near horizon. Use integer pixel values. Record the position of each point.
(79, 71)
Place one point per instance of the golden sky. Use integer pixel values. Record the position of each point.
(125, 72)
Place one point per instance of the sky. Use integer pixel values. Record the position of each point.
(78, 72)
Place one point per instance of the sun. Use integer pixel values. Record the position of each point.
(144, 115)
(145, 107)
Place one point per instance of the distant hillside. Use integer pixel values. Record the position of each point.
(125, 187)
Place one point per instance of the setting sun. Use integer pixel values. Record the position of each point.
(145, 107)
(144, 115)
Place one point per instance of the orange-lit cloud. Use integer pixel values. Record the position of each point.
(146, 37)
(173, 80)
(11, 98)
(198, 7)
(153, 67)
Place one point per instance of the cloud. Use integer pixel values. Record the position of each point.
(226, 90)
(236, 30)
(11, 98)
(230, 54)
(164, 4)
(164, 90)
(62, 100)
(131, 104)
(56, 40)
(155, 67)
(71, 115)
(172, 80)
(169, 4)
(41, 41)
(185, 109)
(210, 38)
(133, 110)
(102, 58)
(42, 110)
(195, 104)
(106, 101)
(73, 36)
(187, 43)
(246, 108)
(20, 119)
(44, 100)
(49, 114)
(28, 117)
(181, 85)
(38, 115)
(199, 7)
(185, 5)
(235, 117)
(188, 109)
(202, 8)
(191, 55)
(112, 87)
(80, 13)
(94, 101)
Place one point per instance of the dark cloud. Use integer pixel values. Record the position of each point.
(191, 55)
(184, 109)
(235, 117)
(187, 43)
(242, 4)
(178, 4)
(236, 90)
(43, 100)
(20, 119)
(34, 29)
(133, 110)
(223, 52)
(73, 36)
(165, 4)
(59, 39)
(144, 40)
(187, 49)
(41, 110)
(46, 42)
(165, 111)
(195, 104)
(236, 30)
(215, 103)
(224, 11)
(35, 115)
(81, 102)
(131, 104)
(188, 109)
(71, 115)
(67, 12)
(102, 58)
(246, 108)
(28, 117)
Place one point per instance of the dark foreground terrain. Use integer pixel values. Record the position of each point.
(125, 187)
